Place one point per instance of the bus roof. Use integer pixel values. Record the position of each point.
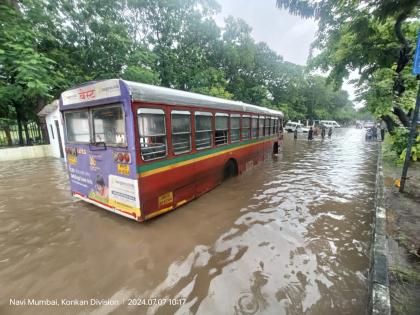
(157, 94)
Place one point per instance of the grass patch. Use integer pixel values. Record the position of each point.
(405, 286)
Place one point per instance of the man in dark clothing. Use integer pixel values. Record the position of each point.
(374, 133)
(323, 132)
(310, 134)
(330, 133)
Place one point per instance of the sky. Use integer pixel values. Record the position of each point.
(290, 36)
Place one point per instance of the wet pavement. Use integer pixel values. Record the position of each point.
(290, 236)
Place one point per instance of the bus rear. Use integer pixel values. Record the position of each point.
(100, 146)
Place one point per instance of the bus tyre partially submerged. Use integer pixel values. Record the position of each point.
(141, 150)
(230, 169)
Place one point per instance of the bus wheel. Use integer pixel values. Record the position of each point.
(231, 169)
(276, 148)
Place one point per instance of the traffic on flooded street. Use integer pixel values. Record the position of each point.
(290, 235)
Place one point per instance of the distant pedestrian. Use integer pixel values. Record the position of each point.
(383, 126)
(323, 132)
(374, 133)
(316, 132)
(295, 134)
(330, 133)
(310, 134)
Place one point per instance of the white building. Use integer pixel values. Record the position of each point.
(55, 128)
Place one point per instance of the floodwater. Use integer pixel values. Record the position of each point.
(290, 236)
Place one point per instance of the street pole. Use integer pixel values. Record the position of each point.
(410, 141)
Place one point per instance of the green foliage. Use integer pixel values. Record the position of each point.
(48, 46)
(415, 151)
(399, 142)
(367, 38)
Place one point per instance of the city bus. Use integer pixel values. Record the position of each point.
(141, 150)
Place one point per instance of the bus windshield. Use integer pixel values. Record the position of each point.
(77, 126)
(108, 125)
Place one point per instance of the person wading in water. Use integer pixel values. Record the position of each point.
(310, 134)
(323, 132)
(330, 133)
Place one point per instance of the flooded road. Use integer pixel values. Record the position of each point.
(290, 236)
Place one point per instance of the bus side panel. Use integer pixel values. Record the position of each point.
(161, 190)
(173, 186)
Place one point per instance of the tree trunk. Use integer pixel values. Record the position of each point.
(390, 124)
(8, 135)
(402, 116)
(28, 138)
(19, 120)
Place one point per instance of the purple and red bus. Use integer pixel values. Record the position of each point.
(141, 150)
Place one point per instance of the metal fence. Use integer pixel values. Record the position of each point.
(9, 134)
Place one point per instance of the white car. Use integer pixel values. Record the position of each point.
(291, 126)
(329, 124)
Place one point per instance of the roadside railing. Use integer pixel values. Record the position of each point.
(31, 134)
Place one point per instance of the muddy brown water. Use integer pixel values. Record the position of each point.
(290, 236)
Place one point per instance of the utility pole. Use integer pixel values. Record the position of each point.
(411, 139)
(416, 71)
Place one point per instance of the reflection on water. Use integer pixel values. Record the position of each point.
(290, 236)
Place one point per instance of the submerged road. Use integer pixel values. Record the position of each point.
(290, 236)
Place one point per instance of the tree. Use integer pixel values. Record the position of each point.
(26, 74)
(356, 36)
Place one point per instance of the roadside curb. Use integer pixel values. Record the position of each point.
(379, 299)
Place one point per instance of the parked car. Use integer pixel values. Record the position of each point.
(291, 126)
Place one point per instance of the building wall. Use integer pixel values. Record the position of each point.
(29, 152)
(53, 133)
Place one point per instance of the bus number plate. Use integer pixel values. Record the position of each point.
(123, 169)
(166, 199)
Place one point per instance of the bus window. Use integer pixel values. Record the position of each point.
(203, 130)
(181, 131)
(267, 126)
(221, 132)
(77, 126)
(152, 129)
(254, 127)
(108, 125)
(234, 127)
(246, 121)
(261, 127)
(274, 125)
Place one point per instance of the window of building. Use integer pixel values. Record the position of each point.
(235, 127)
(203, 130)
(152, 129)
(181, 131)
(108, 125)
(246, 127)
(77, 126)
(254, 127)
(261, 127)
(221, 131)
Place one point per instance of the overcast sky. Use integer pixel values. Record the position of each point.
(288, 35)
